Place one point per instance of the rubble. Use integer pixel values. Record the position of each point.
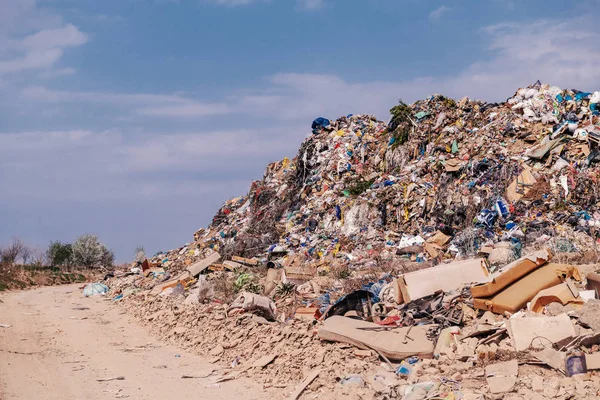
(398, 260)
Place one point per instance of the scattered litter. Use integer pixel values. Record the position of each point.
(117, 378)
(94, 289)
(434, 236)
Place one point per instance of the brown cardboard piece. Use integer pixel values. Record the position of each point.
(516, 295)
(387, 342)
(197, 268)
(512, 272)
(439, 238)
(565, 293)
(417, 284)
(520, 186)
(539, 331)
(453, 165)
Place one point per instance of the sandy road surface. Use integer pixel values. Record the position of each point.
(61, 343)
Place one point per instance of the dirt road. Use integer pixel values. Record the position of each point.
(61, 344)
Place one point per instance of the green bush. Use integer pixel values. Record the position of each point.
(59, 254)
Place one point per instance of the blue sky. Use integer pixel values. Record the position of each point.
(136, 119)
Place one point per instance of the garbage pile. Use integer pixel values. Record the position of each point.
(430, 257)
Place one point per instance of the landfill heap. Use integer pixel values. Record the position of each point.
(429, 257)
(478, 173)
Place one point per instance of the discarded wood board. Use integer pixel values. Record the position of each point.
(233, 264)
(220, 267)
(246, 261)
(197, 268)
(392, 343)
(182, 278)
(306, 313)
(417, 284)
(539, 331)
(298, 275)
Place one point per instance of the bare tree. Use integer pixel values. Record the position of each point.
(10, 253)
(27, 254)
(38, 257)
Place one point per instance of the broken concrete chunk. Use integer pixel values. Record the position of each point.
(250, 302)
(264, 361)
(592, 361)
(539, 331)
(393, 343)
(552, 358)
(589, 314)
(217, 350)
(501, 377)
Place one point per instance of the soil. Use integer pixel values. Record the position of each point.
(60, 344)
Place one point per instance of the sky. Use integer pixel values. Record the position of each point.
(137, 119)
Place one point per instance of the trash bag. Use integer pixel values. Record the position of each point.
(360, 301)
(94, 289)
(250, 302)
(319, 123)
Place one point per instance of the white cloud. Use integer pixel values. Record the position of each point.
(38, 59)
(20, 17)
(66, 36)
(192, 109)
(158, 105)
(108, 18)
(437, 14)
(231, 3)
(564, 53)
(205, 166)
(113, 166)
(33, 39)
(310, 4)
(57, 73)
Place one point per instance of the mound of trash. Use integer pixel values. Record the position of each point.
(439, 255)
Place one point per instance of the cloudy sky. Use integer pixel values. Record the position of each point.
(136, 119)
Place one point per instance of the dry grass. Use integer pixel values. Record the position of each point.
(22, 277)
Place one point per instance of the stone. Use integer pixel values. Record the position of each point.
(457, 376)
(501, 377)
(217, 350)
(537, 384)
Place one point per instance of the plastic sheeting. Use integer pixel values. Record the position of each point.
(94, 289)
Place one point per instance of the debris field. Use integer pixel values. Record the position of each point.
(447, 254)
